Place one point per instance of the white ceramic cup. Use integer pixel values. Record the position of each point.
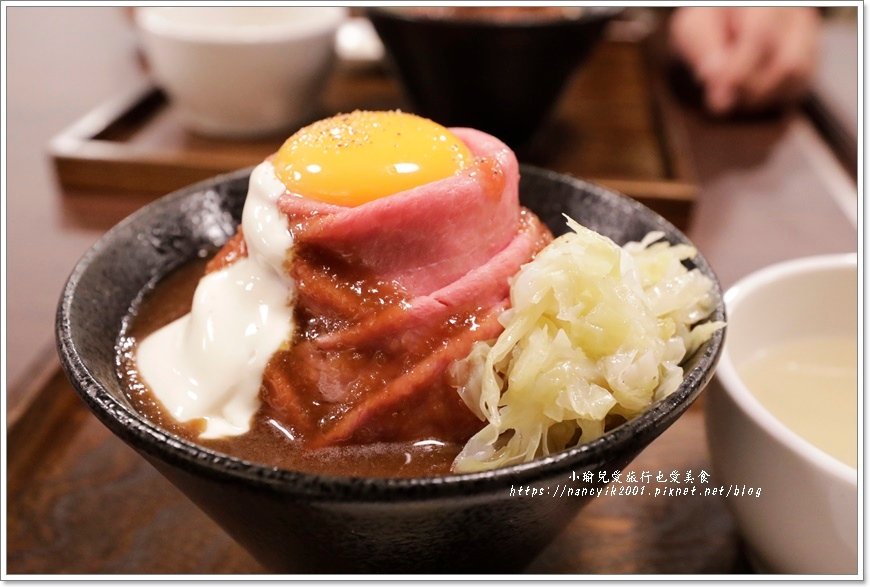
(241, 71)
(806, 520)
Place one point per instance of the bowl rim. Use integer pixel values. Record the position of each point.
(152, 441)
(739, 392)
(152, 20)
(586, 17)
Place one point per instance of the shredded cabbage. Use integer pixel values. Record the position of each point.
(595, 331)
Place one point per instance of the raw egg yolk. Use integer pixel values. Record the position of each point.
(351, 159)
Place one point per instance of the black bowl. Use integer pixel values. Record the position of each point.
(296, 522)
(499, 77)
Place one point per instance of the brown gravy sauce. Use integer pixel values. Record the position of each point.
(269, 441)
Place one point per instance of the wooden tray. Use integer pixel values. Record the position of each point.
(615, 124)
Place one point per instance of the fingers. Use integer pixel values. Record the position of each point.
(753, 40)
(748, 56)
(700, 37)
(790, 68)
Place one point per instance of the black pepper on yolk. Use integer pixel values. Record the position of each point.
(351, 159)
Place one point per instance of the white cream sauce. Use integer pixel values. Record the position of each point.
(209, 363)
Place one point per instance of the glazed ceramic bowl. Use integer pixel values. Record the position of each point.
(296, 522)
(213, 61)
(806, 520)
(503, 77)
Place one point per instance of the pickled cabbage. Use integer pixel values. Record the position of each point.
(594, 335)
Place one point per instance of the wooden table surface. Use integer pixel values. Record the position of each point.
(80, 501)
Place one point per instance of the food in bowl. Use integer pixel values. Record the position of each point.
(293, 521)
(340, 330)
(809, 384)
(594, 335)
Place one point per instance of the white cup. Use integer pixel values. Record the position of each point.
(807, 518)
(241, 71)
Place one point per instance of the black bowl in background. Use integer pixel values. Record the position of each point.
(502, 77)
(297, 522)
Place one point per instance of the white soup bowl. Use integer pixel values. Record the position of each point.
(806, 519)
(241, 71)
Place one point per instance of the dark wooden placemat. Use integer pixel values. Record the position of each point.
(615, 124)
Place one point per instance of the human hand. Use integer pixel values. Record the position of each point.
(747, 57)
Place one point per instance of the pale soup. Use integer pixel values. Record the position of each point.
(810, 385)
